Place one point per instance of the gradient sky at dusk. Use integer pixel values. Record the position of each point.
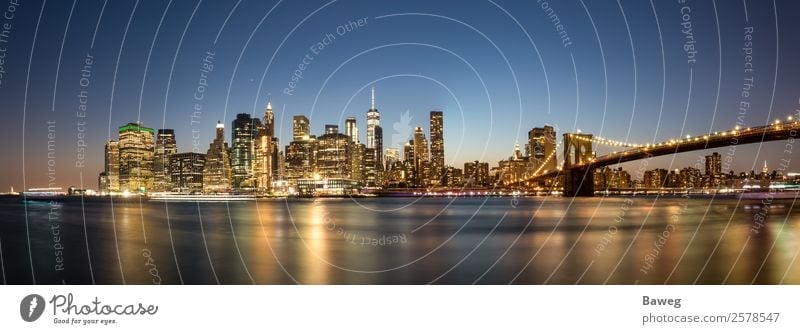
(496, 69)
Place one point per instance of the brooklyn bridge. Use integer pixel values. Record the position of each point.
(577, 172)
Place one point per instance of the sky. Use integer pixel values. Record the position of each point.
(616, 69)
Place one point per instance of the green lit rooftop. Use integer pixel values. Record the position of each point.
(134, 127)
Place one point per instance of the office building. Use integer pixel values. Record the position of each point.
(351, 129)
(217, 169)
(541, 148)
(301, 128)
(476, 174)
(244, 152)
(714, 164)
(263, 169)
(136, 158)
(165, 147)
(186, 172)
(437, 146)
(110, 177)
(334, 154)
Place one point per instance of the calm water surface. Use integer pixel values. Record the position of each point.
(644, 240)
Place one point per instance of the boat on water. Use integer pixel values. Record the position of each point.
(43, 194)
(201, 198)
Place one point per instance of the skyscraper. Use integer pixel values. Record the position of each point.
(264, 152)
(217, 169)
(111, 167)
(351, 129)
(243, 151)
(541, 148)
(334, 154)
(373, 120)
(186, 171)
(391, 156)
(421, 157)
(357, 168)
(476, 174)
(165, 146)
(301, 128)
(135, 157)
(300, 156)
(714, 164)
(300, 159)
(437, 146)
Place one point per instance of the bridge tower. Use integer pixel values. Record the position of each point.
(578, 180)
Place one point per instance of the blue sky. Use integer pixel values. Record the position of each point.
(496, 69)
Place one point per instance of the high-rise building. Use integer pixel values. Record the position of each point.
(334, 154)
(111, 167)
(421, 156)
(299, 157)
(370, 172)
(453, 176)
(714, 164)
(408, 151)
(373, 120)
(276, 160)
(476, 174)
(281, 166)
(135, 158)
(165, 146)
(408, 162)
(217, 169)
(331, 129)
(243, 152)
(378, 148)
(186, 172)
(541, 148)
(265, 151)
(357, 165)
(437, 147)
(301, 128)
(392, 155)
(351, 129)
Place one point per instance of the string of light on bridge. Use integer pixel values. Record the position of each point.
(737, 130)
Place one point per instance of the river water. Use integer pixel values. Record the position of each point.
(543, 240)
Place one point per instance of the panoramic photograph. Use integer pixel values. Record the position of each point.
(410, 142)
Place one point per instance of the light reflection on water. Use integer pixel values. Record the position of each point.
(431, 240)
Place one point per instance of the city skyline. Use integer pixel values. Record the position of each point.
(639, 74)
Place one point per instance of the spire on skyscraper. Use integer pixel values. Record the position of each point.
(373, 99)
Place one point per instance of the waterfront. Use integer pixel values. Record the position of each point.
(535, 240)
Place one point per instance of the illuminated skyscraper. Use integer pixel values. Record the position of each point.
(373, 120)
(421, 157)
(243, 151)
(476, 174)
(301, 128)
(392, 155)
(136, 157)
(334, 154)
(351, 129)
(541, 148)
(714, 164)
(437, 146)
(357, 168)
(300, 156)
(217, 169)
(165, 146)
(111, 168)
(265, 150)
(186, 172)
